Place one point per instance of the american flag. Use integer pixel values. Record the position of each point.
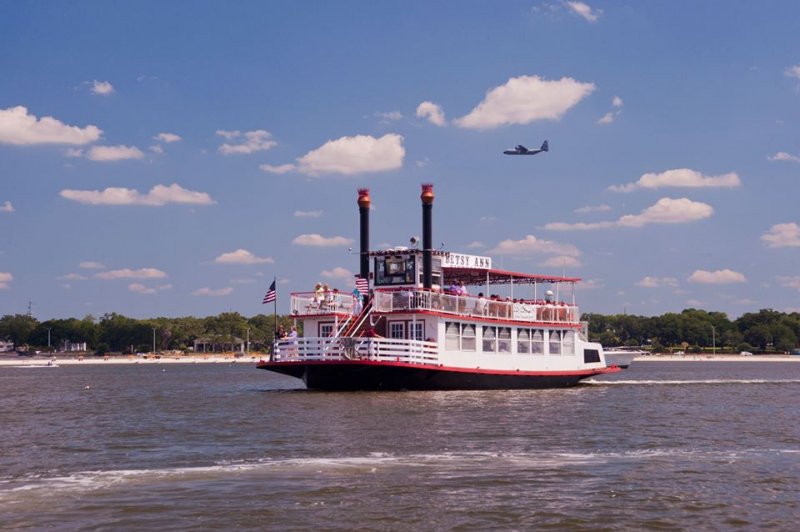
(362, 285)
(270, 296)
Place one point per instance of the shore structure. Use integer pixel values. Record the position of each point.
(431, 321)
(90, 360)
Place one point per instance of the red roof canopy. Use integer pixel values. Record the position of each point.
(477, 277)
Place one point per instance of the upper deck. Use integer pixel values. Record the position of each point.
(390, 300)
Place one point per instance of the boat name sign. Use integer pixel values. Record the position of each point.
(458, 260)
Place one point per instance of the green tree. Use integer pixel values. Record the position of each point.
(17, 328)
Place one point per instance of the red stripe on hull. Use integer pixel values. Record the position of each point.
(371, 375)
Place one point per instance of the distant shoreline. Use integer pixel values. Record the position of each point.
(40, 360)
(729, 357)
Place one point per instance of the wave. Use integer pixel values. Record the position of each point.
(650, 382)
(34, 487)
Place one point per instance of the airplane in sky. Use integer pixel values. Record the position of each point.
(519, 149)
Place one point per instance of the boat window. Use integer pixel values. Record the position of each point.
(451, 335)
(523, 341)
(489, 339)
(325, 330)
(555, 342)
(417, 330)
(504, 339)
(393, 270)
(568, 343)
(468, 337)
(397, 329)
(537, 342)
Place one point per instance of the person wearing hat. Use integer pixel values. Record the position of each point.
(319, 294)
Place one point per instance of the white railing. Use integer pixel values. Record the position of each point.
(308, 304)
(533, 311)
(356, 348)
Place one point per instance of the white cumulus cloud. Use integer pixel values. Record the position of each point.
(530, 245)
(783, 156)
(6, 207)
(280, 169)
(525, 99)
(793, 71)
(113, 153)
(307, 214)
(251, 141)
(5, 278)
(205, 291)
(127, 273)
(91, 265)
(158, 196)
(610, 116)
(664, 211)
(717, 277)
(242, 256)
(167, 137)
(657, 282)
(561, 261)
(103, 88)
(584, 10)
(316, 240)
(139, 288)
(20, 128)
(788, 281)
(593, 208)
(680, 177)
(354, 155)
(782, 236)
(432, 112)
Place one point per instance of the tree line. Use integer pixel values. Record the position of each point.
(690, 330)
(117, 333)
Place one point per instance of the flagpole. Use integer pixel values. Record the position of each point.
(275, 304)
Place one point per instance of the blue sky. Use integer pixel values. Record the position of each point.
(170, 158)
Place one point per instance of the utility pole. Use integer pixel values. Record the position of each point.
(154, 340)
(713, 340)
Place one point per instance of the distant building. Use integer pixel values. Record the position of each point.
(212, 345)
(6, 346)
(72, 347)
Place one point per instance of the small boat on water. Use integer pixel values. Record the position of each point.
(623, 356)
(430, 321)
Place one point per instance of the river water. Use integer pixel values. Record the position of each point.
(663, 445)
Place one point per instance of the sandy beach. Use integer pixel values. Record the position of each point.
(17, 361)
(729, 357)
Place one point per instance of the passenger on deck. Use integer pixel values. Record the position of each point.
(480, 305)
(319, 294)
(358, 304)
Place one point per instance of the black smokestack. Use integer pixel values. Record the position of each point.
(363, 211)
(427, 235)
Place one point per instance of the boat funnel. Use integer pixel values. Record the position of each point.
(363, 211)
(427, 235)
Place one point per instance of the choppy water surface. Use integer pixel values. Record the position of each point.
(660, 446)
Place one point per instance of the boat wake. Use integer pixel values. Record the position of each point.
(653, 382)
(34, 487)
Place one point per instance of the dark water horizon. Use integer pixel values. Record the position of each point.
(665, 445)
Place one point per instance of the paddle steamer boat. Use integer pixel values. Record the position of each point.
(430, 322)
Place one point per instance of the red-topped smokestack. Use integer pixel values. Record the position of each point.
(427, 235)
(363, 210)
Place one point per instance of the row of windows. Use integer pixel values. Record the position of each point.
(463, 337)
